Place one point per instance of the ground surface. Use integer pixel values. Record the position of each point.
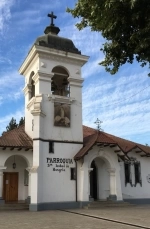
(139, 215)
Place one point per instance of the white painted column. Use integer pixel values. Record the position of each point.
(89, 170)
(29, 188)
(34, 186)
(112, 174)
(118, 183)
(29, 184)
(1, 184)
(84, 184)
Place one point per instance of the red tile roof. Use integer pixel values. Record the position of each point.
(16, 138)
(92, 136)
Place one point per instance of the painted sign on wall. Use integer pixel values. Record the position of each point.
(59, 164)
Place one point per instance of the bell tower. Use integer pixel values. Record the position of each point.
(53, 87)
(53, 110)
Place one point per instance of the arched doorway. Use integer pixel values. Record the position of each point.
(93, 181)
(99, 179)
(15, 179)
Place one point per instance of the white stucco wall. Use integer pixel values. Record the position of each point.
(138, 191)
(56, 186)
(23, 160)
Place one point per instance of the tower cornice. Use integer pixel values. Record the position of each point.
(48, 53)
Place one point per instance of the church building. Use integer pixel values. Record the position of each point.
(53, 161)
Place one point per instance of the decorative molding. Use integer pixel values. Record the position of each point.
(38, 113)
(52, 140)
(37, 110)
(37, 52)
(31, 102)
(78, 72)
(29, 169)
(64, 57)
(61, 99)
(111, 171)
(75, 81)
(43, 65)
(42, 76)
(34, 169)
(27, 89)
(30, 60)
(1, 169)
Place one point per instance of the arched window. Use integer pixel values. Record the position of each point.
(60, 84)
(31, 82)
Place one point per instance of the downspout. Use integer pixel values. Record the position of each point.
(76, 184)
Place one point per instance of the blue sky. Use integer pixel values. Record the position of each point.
(121, 101)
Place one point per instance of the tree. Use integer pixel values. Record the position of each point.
(22, 121)
(125, 24)
(12, 125)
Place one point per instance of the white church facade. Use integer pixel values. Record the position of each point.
(53, 161)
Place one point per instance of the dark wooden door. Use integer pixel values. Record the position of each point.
(10, 187)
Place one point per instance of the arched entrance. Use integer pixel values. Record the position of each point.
(99, 179)
(15, 179)
(93, 181)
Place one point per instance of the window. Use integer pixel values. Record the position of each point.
(137, 172)
(51, 147)
(73, 173)
(127, 169)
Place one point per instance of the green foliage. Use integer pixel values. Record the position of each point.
(12, 125)
(125, 24)
(22, 121)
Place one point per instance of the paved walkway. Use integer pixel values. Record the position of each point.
(139, 215)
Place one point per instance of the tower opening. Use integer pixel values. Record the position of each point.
(60, 84)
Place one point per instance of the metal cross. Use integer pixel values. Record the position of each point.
(52, 16)
(98, 123)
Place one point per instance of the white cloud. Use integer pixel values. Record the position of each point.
(5, 13)
(85, 40)
(34, 15)
(10, 80)
(11, 85)
(122, 104)
(5, 60)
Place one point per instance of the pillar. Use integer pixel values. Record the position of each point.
(29, 185)
(34, 189)
(2, 201)
(112, 174)
(89, 171)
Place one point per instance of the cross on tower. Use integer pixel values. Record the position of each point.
(98, 123)
(52, 16)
